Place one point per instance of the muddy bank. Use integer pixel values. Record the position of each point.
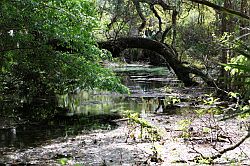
(177, 113)
(109, 147)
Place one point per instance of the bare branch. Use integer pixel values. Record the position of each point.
(222, 9)
(138, 9)
(221, 152)
(168, 28)
(158, 17)
(163, 4)
(232, 147)
(113, 20)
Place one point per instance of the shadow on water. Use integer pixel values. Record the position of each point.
(96, 109)
(33, 134)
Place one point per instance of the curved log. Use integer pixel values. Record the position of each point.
(182, 72)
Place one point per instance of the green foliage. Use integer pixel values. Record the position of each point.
(195, 42)
(210, 100)
(202, 160)
(233, 95)
(147, 130)
(115, 17)
(33, 66)
(63, 161)
(171, 100)
(239, 70)
(238, 63)
(184, 127)
(206, 130)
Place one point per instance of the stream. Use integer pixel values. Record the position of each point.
(90, 134)
(144, 83)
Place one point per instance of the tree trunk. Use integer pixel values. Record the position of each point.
(244, 7)
(182, 72)
(224, 54)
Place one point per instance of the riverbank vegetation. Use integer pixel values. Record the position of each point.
(35, 63)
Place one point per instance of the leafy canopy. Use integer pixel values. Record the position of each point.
(33, 65)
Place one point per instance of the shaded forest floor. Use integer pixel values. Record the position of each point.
(177, 145)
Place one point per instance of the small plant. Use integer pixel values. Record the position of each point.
(147, 130)
(171, 100)
(168, 89)
(202, 160)
(63, 161)
(234, 162)
(206, 130)
(184, 126)
(233, 95)
(210, 100)
(156, 156)
(200, 112)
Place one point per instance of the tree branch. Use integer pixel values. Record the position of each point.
(168, 28)
(232, 147)
(163, 4)
(113, 20)
(138, 9)
(174, 18)
(182, 72)
(158, 17)
(222, 9)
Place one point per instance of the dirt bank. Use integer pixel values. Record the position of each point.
(109, 147)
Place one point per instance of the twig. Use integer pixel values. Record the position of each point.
(232, 147)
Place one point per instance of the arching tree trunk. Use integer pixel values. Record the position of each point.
(182, 72)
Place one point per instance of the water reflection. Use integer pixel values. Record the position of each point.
(143, 83)
(26, 135)
(89, 109)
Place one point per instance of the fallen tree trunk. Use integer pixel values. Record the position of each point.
(182, 72)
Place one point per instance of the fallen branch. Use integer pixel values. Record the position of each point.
(223, 151)
(232, 147)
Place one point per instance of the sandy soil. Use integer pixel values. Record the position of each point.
(109, 147)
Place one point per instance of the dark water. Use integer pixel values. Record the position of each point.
(94, 110)
(145, 84)
(23, 135)
(26, 135)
